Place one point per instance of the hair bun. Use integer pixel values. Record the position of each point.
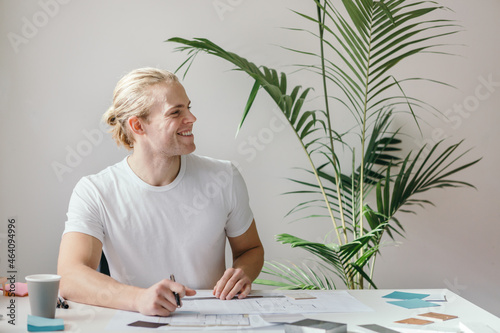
(109, 117)
(133, 97)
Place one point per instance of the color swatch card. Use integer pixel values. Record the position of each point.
(414, 321)
(409, 300)
(40, 324)
(413, 303)
(437, 316)
(378, 328)
(405, 295)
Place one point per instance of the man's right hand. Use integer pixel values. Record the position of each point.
(159, 299)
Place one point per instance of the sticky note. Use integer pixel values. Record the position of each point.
(40, 324)
(413, 303)
(440, 316)
(313, 325)
(414, 321)
(405, 295)
(18, 289)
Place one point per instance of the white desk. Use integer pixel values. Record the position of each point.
(85, 318)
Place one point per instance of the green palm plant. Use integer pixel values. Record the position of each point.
(360, 45)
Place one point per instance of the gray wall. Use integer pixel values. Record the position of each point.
(59, 62)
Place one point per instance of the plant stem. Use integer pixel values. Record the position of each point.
(321, 20)
(323, 192)
(363, 141)
(372, 268)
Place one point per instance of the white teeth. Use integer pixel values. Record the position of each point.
(186, 133)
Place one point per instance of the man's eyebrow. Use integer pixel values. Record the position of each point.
(179, 106)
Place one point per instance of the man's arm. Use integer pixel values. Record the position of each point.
(248, 258)
(79, 256)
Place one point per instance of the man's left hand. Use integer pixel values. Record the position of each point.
(233, 282)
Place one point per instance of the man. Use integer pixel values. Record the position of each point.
(160, 211)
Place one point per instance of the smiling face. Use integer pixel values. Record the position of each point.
(168, 128)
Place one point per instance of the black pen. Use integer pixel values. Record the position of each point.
(61, 303)
(177, 299)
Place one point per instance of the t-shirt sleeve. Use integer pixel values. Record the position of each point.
(240, 216)
(83, 211)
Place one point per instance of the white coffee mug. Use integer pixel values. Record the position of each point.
(43, 290)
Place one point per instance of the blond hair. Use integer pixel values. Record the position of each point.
(134, 96)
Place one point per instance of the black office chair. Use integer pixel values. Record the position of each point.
(103, 265)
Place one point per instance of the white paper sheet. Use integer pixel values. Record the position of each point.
(178, 321)
(205, 312)
(327, 301)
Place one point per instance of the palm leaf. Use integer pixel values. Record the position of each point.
(360, 42)
(433, 172)
(292, 276)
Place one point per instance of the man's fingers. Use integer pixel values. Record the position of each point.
(220, 285)
(159, 299)
(168, 302)
(166, 297)
(228, 282)
(235, 285)
(181, 289)
(190, 292)
(231, 289)
(233, 281)
(246, 290)
(161, 306)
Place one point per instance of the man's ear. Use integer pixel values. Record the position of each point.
(135, 125)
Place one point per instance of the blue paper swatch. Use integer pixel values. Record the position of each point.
(41, 324)
(405, 295)
(413, 303)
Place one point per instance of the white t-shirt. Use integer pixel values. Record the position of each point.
(149, 232)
